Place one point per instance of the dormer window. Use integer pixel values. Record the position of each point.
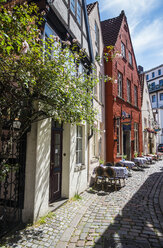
(123, 50)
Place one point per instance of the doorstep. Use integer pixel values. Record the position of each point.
(57, 204)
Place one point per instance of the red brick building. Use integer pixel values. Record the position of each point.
(123, 94)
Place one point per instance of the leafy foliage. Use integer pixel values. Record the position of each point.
(39, 78)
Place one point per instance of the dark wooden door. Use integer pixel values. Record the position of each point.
(55, 164)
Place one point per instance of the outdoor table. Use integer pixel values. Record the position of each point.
(141, 160)
(120, 172)
(127, 163)
(148, 158)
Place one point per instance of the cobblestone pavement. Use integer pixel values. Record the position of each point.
(131, 213)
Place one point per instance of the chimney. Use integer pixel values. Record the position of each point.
(140, 69)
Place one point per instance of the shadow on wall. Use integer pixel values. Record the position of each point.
(43, 167)
(138, 225)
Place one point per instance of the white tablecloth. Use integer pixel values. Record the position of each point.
(120, 171)
(140, 160)
(148, 158)
(127, 163)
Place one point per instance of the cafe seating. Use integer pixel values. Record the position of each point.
(100, 177)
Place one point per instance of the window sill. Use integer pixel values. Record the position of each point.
(79, 167)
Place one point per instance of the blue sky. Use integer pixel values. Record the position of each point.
(145, 20)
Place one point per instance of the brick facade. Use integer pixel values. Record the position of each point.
(118, 109)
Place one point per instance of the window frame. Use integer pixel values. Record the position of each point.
(153, 96)
(159, 72)
(130, 58)
(128, 90)
(78, 17)
(120, 84)
(161, 96)
(73, 6)
(136, 138)
(135, 95)
(123, 50)
(79, 151)
(153, 74)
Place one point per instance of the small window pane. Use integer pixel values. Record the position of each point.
(130, 58)
(123, 50)
(161, 96)
(72, 6)
(119, 84)
(78, 13)
(154, 98)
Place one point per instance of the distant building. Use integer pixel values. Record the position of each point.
(148, 120)
(122, 93)
(154, 79)
(97, 138)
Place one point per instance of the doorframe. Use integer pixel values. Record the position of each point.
(56, 129)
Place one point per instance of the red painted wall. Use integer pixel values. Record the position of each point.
(114, 107)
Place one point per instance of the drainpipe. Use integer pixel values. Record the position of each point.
(91, 60)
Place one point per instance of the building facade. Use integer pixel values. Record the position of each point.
(55, 155)
(97, 135)
(154, 79)
(122, 92)
(148, 121)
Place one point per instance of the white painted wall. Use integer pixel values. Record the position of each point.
(37, 171)
(147, 114)
(62, 9)
(99, 135)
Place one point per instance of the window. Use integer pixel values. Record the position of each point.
(78, 12)
(159, 72)
(128, 91)
(161, 96)
(119, 84)
(118, 136)
(147, 77)
(123, 50)
(48, 32)
(153, 85)
(97, 38)
(135, 137)
(130, 58)
(79, 144)
(161, 82)
(154, 98)
(72, 6)
(153, 74)
(135, 95)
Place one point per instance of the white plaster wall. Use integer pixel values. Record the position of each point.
(62, 9)
(75, 30)
(78, 179)
(42, 168)
(93, 161)
(37, 171)
(30, 174)
(148, 114)
(85, 45)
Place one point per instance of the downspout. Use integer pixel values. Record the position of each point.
(91, 61)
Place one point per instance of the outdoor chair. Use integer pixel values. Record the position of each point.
(100, 177)
(118, 164)
(108, 164)
(110, 174)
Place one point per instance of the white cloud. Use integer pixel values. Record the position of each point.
(149, 37)
(134, 10)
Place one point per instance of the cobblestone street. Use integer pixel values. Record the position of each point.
(131, 213)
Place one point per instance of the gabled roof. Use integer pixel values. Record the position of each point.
(90, 7)
(110, 29)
